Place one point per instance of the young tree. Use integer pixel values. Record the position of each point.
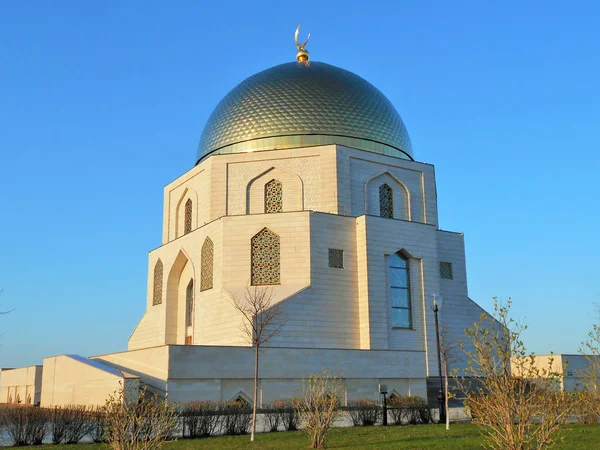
(138, 420)
(319, 405)
(590, 375)
(261, 321)
(515, 400)
(447, 357)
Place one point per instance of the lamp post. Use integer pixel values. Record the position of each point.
(439, 356)
(383, 392)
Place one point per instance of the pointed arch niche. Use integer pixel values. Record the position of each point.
(178, 282)
(189, 312)
(386, 196)
(261, 192)
(186, 213)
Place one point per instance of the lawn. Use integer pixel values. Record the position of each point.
(460, 437)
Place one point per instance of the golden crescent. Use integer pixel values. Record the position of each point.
(296, 38)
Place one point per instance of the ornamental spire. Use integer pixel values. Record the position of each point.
(302, 55)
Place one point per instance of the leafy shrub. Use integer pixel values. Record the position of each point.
(364, 412)
(201, 418)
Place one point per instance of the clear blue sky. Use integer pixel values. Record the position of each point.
(103, 103)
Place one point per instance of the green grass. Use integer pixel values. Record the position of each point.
(460, 437)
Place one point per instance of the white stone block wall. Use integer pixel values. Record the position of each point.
(457, 312)
(385, 237)
(22, 385)
(325, 313)
(69, 381)
(223, 372)
(345, 308)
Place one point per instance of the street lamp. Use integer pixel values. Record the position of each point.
(436, 305)
(383, 391)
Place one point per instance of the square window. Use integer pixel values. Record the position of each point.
(336, 258)
(398, 277)
(400, 318)
(446, 270)
(400, 297)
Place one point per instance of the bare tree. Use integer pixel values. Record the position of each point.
(3, 312)
(448, 358)
(516, 399)
(261, 321)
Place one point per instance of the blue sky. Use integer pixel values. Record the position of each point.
(103, 103)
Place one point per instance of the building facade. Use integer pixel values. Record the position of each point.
(305, 184)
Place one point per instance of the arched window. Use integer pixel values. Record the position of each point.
(158, 283)
(189, 304)
(206, 265)
(265, 256)
(386, 201)
(187, 224)
(399, 280)
(273, 197)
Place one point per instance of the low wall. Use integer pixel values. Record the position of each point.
(221, 373)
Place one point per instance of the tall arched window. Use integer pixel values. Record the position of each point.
(206, 265)
(189, 304)
(386, 201)
(265, 258)
(399, 280)
(158, 283)
(273, 196)
(187, 224)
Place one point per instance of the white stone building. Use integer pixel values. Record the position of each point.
(305, 182)
(572, 372)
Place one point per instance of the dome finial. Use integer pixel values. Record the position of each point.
(302, 54)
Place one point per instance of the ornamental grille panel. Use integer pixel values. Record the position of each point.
(386, 201)
(265, 267)
(158, 283)
(189, 303)
(206, 265)
(446, 270)
(336, 258)
(273, 197)
(187, 227)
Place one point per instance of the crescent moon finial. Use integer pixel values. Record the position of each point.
(300, 46)
(302, 54)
